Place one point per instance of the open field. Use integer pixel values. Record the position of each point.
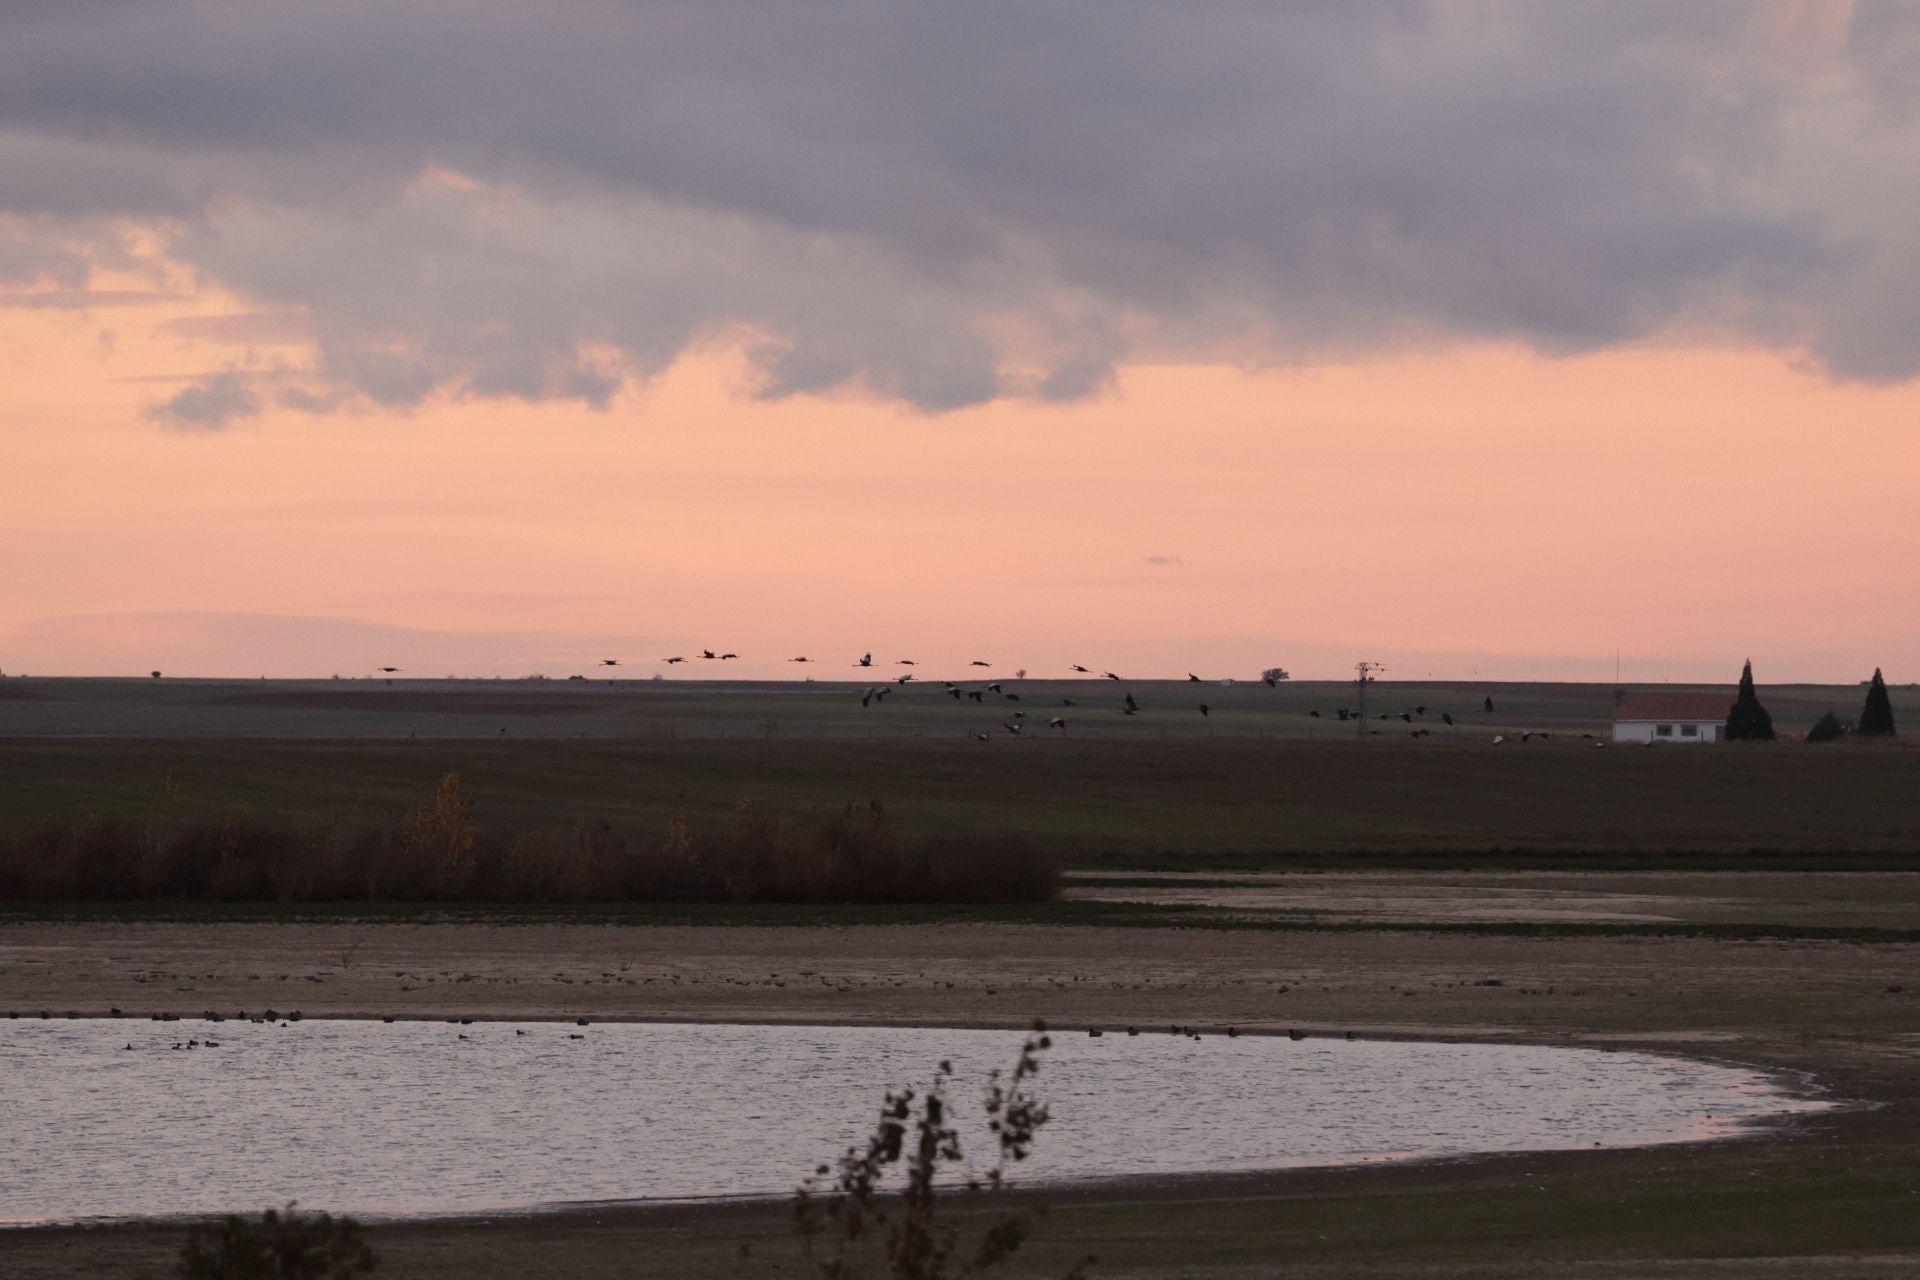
(1218, 803)
(769, 711)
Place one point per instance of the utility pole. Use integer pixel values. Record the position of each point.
(1364, 673)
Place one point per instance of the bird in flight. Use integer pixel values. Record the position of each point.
(1112, 676)
(1192, 678)
(609, 662)
(728, 657)
(905, 662)
(977, 663)
(389, 670)
(799, 659)
(1082, 670)
(866, 660)
(708, 653)
(671, 661)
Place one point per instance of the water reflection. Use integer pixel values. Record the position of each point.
(106, 1118)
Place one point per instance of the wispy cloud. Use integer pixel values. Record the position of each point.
(209, 404)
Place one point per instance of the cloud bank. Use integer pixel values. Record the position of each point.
(946, 204)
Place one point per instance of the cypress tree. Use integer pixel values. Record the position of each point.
(1876, 718)
(1748, 720)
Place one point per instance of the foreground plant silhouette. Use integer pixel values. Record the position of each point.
(277, 1246)
(843, 1224)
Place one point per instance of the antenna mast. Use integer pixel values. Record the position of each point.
(1364, 674)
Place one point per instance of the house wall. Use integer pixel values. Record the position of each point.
(1646, 731)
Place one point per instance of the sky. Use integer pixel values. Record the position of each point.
(1483, 340)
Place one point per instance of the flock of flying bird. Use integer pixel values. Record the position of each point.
(1016, 723)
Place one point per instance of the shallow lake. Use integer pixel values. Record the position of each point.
(433, 1118)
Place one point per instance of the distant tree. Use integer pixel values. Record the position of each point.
(279, 1246)
(1748, 721)
(154, 674)
(1876, 718)
(1274, 675)
(1828, 728)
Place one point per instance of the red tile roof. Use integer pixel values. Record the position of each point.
(1673, 706)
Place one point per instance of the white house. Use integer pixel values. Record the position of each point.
(1670, 717)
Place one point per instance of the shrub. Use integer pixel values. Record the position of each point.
(437, 853)
(279, 1246)
(845, 1222)
(1827, 728)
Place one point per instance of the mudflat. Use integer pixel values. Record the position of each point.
(1836, 1195)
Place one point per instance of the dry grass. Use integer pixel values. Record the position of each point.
(437, 853)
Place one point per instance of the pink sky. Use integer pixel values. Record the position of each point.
(1476, 511)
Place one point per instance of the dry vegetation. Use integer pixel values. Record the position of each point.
(437, 853)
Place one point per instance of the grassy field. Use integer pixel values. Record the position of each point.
(676, 709)
(1199, 803)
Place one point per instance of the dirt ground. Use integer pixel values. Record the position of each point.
(1836, 1196)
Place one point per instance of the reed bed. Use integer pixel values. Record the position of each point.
(439, 853)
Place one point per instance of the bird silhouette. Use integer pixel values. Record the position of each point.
(1446, 717)
(1057, 722)
(983, 737)
(1205, 710)
(802, 659)
(708, 654)
(1314, 714)
(977, 663)
(1132, 706)
(866, 660)
(1013, 728)
(905, 662)
(728, 657)
(671, 661)
(1489, 706)
(1407, 717)
(390, 670)
(1082, 670)
(1111, 676)
(609, 662)
(1192, 678)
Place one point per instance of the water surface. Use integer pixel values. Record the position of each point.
(433, 1118)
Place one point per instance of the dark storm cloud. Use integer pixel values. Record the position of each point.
(950, 203)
